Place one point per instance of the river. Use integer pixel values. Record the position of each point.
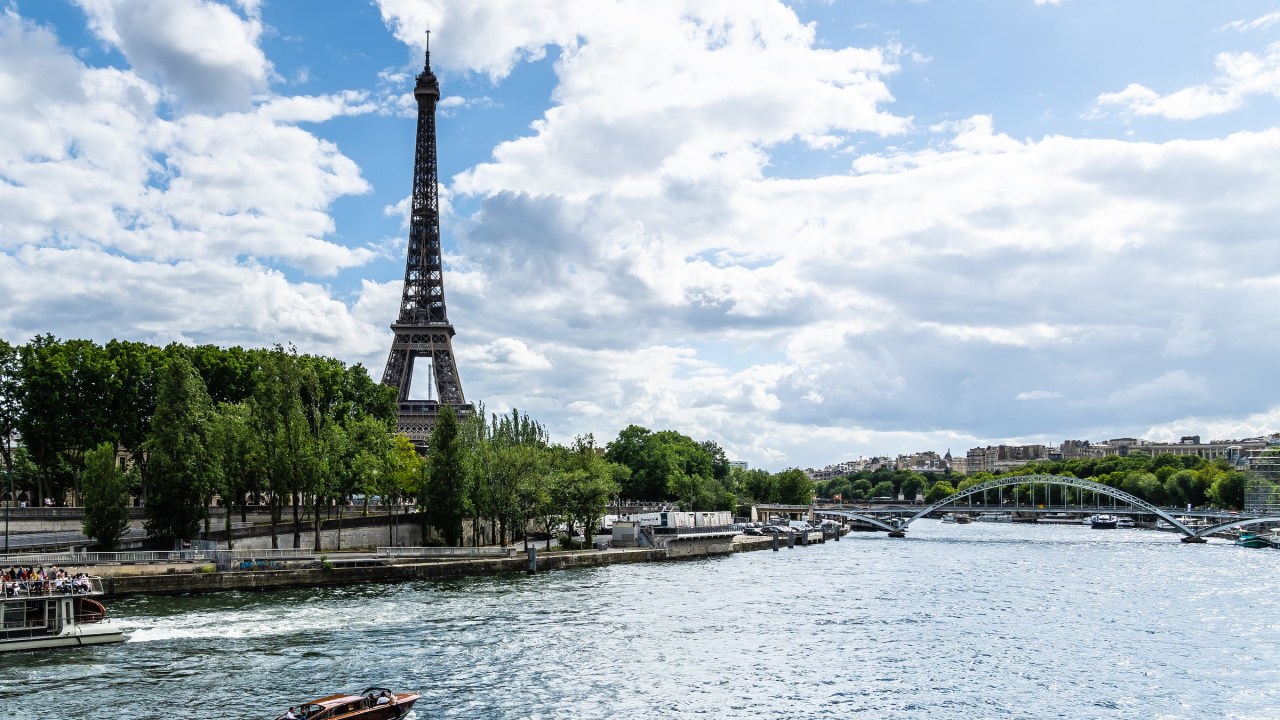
(954, 621)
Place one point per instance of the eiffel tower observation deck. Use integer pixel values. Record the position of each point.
(422, 329)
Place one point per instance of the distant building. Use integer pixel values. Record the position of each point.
(1244, 454)
(850, 467)
(1003, 457)
(924, 462)
(1262, 483)
(740, 464)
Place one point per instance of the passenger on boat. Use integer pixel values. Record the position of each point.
(384, 698)
(289, 715)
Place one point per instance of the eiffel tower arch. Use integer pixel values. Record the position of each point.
(422, 329)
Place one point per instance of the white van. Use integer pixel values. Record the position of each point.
(800, 526)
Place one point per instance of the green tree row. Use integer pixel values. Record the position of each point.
(1164, 480)
(504, 473)
(265, 425)
(671, 467)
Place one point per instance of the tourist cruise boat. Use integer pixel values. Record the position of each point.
(37, 614)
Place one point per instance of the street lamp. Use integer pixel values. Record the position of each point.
(8, 474)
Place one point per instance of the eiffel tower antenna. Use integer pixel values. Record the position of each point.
(422, 329)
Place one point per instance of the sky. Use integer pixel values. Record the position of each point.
(808, 231)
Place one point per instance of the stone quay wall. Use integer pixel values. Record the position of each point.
(192, 579)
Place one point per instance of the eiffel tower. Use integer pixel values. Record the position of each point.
(423, 330)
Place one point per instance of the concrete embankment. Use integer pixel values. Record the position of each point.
(142, 579)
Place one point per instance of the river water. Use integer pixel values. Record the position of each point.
(954, 621)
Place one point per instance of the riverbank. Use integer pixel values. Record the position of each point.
(348, 569)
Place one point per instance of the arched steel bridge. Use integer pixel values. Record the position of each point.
(1190, 534)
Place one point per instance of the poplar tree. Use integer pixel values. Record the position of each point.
(180, 460)
(446, 485)
(106, 497)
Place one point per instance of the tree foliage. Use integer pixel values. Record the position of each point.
(181, 459)
(106, 498)
(446, 486)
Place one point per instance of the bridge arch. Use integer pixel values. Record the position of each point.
(1061, 480)
(1238, 523)
(858, 516)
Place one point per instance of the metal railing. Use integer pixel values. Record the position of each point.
(698, 530)
(155, 556)
(445, 552)
(51, 588)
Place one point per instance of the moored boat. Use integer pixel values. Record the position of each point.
(1104, 522)
(995, 517)
(948, 518)
(375, 703)
(963, 519)
(1251, 540)
(40, 613)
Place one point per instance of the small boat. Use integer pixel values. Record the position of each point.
(1104, 522)
(375, 703)
(1251, 540)
(995, 517)
(48, 614)
(963, 519)
(948, 518)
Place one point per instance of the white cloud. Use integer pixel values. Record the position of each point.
(1217, 428)
(1188, 337)
(1259, 23)
(1240, 75)
(638, 257)
(202, 50)
(177, 225)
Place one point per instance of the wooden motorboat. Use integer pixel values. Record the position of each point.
(375, 703)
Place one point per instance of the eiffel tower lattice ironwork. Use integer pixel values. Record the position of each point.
(422, 329)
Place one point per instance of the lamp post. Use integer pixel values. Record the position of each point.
(8, 474)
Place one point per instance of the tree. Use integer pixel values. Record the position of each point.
(862, 489)
(180, 456)
(1227, 490)
(280, 421)
(793, 487)
(1180, 488)
(651, 467)
(446, 487)
(941, 490)
(238, 457)
(884, 488)
(911, 485)
(1144, 485)
(402, 469)
(106, 498)
(587, 484)
(10, 401)
(66, 391)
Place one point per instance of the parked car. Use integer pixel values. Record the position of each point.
(752, 531)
